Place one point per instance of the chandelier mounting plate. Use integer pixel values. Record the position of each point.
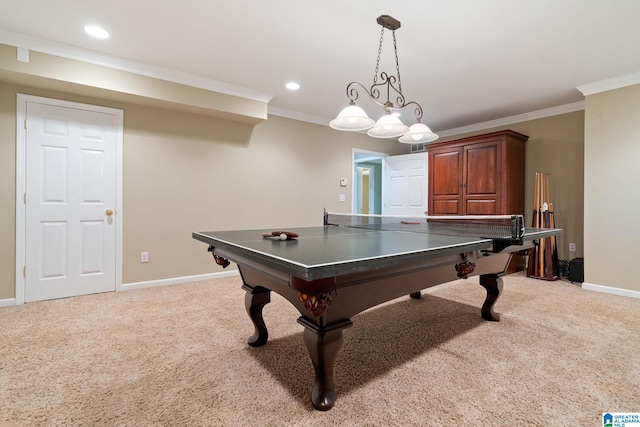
(388, 22)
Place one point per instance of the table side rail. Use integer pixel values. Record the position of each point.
(240, 253)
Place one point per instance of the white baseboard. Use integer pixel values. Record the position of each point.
(138, 285)
(177, 280)
(610, 290)
(7, 302)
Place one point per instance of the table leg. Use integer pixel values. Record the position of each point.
(254, 301)
(493, 284)
(323, 344)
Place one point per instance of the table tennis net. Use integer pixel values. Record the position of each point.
(496, 227)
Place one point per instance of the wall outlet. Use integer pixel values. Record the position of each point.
(144, 256)
(572, 247)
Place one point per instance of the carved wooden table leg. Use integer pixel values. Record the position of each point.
(323, 345)
(254, 301)
(493, 284)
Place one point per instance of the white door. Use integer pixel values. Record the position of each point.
(70, 201)
(405, 190)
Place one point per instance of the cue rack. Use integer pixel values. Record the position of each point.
(543, 258)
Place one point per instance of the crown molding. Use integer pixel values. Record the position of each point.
(610, 84)
(295, 115)
(134, 67)
(534, 115)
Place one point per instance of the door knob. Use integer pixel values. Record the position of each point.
(109, 212)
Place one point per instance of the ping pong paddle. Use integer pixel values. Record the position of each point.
(280, 235)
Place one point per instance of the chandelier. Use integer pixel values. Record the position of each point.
(354, 118)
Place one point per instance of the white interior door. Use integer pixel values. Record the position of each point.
(70, 201)
(406, 184)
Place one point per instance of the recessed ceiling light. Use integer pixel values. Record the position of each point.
(97, 32)
(292, 86)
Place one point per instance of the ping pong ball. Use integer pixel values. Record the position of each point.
(283, 236)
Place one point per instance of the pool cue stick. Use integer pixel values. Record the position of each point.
(535, 203)
(551, 241)
(541, 256)
(556, 273)
(552, 224)
(546, 188)
(533, 258)
(545, 199)
(541, 245)
(540, 201)
(549, 252)
(540, 248)
(547, 224)
(544, 247)
(554, 245)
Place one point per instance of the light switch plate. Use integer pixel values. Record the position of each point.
(22, 54)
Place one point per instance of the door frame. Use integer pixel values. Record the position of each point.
(21, 170)
(360, 155)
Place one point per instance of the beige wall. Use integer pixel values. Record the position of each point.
(7, 192)
(612, 192)
(184, 172)
(556, 146)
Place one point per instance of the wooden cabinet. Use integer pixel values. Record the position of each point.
(478, 175)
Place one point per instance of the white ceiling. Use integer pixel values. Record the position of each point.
(464, 61)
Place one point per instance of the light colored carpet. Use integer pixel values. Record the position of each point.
(177, 355)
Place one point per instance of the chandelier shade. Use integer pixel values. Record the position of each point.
(354, 118)
(418, 133)
(388, 126)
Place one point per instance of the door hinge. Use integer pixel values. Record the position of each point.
(24, 271)
(24, 198)
(25, 123)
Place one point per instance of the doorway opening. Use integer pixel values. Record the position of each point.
(367, 182)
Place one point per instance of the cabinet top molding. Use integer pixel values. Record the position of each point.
(478, 138)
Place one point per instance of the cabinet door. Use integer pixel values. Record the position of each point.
(445, 182)
(481, 179)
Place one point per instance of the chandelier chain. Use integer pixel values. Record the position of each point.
(395, 49)
(375, 74)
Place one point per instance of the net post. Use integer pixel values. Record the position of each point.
(517, 226)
